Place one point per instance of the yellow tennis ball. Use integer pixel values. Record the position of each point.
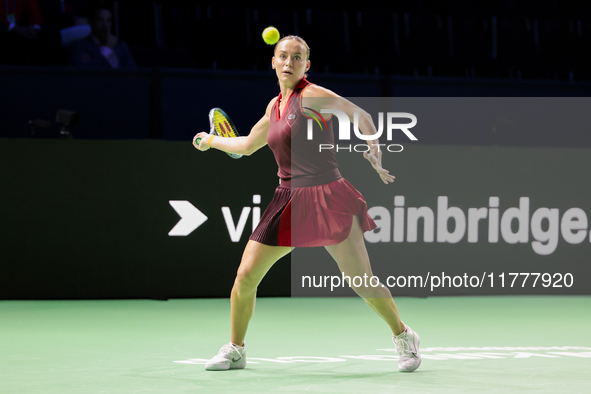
(270, 35)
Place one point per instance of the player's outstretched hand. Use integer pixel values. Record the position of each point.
(202, 145)
(375, 158)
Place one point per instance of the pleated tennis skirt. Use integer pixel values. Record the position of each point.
(312, 216)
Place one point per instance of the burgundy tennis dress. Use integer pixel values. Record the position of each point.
(313, 205)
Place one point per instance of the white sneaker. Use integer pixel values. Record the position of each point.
(230, 356)
(407, 346)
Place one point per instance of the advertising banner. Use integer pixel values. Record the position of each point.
(158, 219)
(460, 220)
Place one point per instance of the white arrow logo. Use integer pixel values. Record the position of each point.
(191, 218)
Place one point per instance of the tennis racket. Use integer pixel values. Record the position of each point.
(221, 125)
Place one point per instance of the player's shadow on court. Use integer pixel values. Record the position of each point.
(279, 374)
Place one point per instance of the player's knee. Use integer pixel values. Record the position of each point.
(245, 281)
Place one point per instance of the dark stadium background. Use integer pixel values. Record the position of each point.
(87, 217)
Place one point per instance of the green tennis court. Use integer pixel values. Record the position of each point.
(338, 345)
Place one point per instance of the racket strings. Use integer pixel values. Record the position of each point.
(222, 125)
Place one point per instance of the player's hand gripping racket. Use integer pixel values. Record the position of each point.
(221, 125)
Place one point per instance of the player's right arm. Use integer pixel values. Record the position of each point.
(240, 145)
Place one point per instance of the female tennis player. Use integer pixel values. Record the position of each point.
(330, 211)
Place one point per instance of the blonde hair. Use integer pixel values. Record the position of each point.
(297, 38)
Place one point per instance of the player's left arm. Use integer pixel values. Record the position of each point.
(317, 97)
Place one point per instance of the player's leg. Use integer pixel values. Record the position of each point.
(353, 260)
(257, 259)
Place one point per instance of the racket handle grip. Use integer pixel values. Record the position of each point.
(198, 140)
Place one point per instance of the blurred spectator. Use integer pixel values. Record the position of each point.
(60, 14)
(100, 48)
(66, 16)
(20, 23)
(63, 23)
